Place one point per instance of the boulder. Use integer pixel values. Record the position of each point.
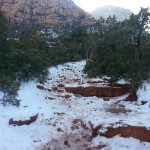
(140, 133)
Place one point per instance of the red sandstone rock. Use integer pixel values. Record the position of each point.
(140, 133)
(40, 87)
(51, 98)
(67, 96)
(24, 122)
(89, 91)
(98, 91)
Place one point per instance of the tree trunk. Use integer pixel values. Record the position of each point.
(87, 52)
(137, 51)
(91, 55)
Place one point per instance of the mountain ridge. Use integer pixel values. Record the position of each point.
(45, 13)
(110, 10)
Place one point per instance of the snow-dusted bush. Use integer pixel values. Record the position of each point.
(10, 95)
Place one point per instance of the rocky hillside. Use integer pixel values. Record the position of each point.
(120, 13)
(45, 13)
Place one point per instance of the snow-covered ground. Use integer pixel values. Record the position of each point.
(61, 113)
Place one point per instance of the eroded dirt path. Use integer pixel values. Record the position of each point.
(87, 120)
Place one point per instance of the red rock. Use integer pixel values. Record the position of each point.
(60, 85)
(89, 91)
(132, 97)
(60, 90)
(140, 133)
(67, 96)
(40, 87)
(51, 98)
(98, 91)
(24, 122)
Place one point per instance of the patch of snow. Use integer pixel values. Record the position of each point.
(144, 92)
(122, 81)
(120, 143)
(1, 95)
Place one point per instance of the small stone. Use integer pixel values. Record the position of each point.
(59, 129)
(66, 142)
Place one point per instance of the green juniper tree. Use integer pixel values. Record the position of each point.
(122, 49)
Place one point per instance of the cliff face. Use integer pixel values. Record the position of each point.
(45, 13)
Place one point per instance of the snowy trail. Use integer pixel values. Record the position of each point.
(58, 109)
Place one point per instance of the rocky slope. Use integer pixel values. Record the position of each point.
(108, 10)
(45, 13)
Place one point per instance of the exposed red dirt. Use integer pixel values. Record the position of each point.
(117, 109)
(83, 125)
(24, 122)
(140, 133)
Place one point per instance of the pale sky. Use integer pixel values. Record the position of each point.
(133, 5)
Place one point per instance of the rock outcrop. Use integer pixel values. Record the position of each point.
(45, 13)
(98, 91)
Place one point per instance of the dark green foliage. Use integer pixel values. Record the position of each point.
(3, 33)
(25, 59)
(31, 64)
(122, 49)
(136, 80)
(10, 95)
(71, 47)
(25, 62)
(29, 39)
